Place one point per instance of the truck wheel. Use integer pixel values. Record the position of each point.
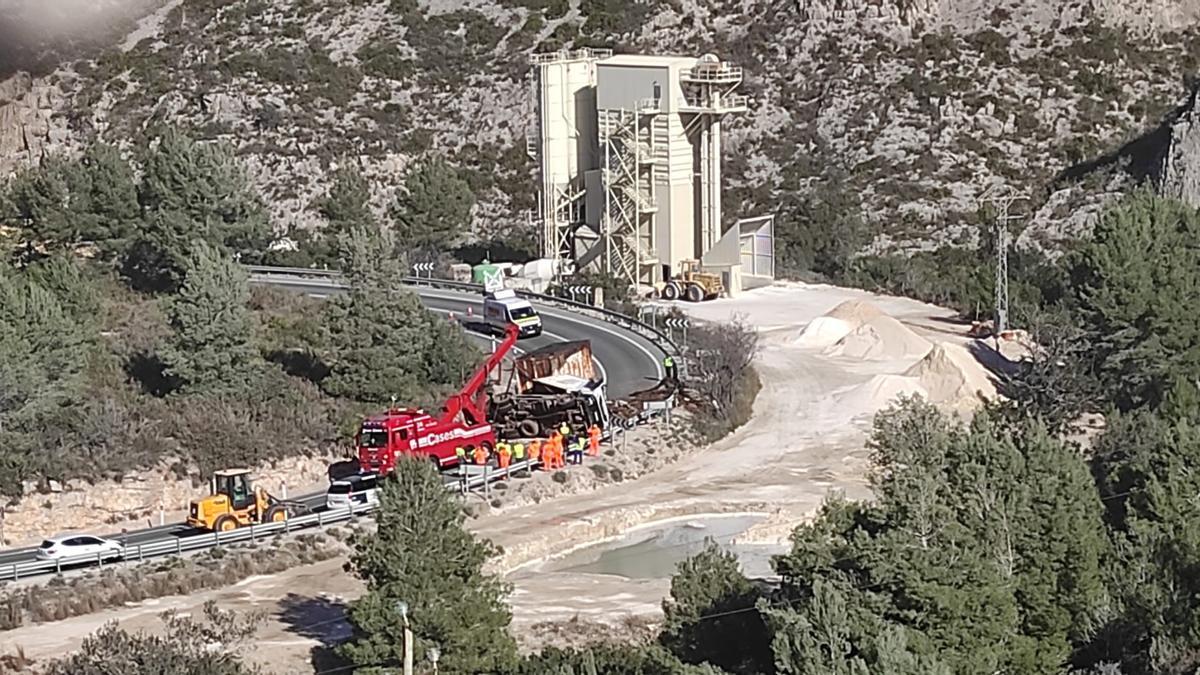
(694, 293)
(225, 524)
(276, 514)
(437, 463)
(670, 291)
(528, 429)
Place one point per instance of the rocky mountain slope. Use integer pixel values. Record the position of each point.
(914, 107)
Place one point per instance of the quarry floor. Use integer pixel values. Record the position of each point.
(806, 438)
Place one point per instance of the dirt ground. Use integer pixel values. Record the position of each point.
(805, 439)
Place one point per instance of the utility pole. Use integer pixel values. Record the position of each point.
(1001, 198)
(402, 608)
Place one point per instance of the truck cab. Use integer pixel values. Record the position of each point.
(384, 439)
(502, 308)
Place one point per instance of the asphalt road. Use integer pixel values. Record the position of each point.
(627, 362)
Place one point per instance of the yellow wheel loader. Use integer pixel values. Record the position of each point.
(692, 284)
(235, 503)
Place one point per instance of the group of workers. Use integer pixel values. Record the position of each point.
(553, 452)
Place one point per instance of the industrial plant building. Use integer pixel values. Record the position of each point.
(629, 150)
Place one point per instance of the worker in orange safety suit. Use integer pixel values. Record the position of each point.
(556, 451)
(481, 455)
(594, 440)
(550, 451)
(504, 454)
(535, 450)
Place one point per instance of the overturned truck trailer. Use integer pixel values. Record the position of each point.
(547, 387)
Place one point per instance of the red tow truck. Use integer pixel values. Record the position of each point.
(411, 431)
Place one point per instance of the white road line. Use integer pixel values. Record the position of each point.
(604, 372)
(459, 297)
(598, 325)
(599, 365)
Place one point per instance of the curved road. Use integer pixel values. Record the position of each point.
(627, 361)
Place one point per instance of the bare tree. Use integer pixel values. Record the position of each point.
(719, 368)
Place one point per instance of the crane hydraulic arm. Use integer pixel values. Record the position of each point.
(471, 401)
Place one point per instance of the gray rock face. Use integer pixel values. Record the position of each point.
(1179, 175)
(920, 104)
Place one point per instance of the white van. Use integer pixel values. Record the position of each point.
(357, 490)
(503, 307)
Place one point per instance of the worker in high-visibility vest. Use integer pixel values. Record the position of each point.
(504, 455)
(481, 455)
(518, 453)
(594, 440)
(565, 430)
(576, 450)
(460, 453)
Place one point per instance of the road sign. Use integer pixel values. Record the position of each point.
(678, 323)
(426, 267)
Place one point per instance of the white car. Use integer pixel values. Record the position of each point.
(357, 490)
(82, 546)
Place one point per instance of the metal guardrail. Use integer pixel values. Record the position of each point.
(654, 335)
(177, 546)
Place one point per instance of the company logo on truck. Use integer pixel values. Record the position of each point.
(442, 437)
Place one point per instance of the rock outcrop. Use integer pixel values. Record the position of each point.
(1179, 173)
(921, 105)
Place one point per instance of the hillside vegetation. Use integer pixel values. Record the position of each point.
(130, 337)
(875, 125)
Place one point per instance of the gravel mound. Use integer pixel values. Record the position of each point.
(952, 376)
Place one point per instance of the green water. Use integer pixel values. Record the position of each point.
(653, 553)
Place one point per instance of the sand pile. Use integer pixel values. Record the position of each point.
(837, 323)
(881, 338)
(879, 392)
(859, 330)
(952, 376)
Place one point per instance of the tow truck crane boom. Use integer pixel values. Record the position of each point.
(471, 401)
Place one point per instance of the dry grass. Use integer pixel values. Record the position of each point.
(119, 585)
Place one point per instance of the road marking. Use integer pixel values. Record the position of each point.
(597, 324)
(560, 338)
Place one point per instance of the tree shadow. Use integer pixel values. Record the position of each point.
(343, 469)
(1142, 156)
(300, 363)
(317, 618)
(998, 366)
(150, 373)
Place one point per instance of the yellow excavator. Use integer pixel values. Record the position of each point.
(235, 502)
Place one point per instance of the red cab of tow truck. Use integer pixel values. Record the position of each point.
(386, 437)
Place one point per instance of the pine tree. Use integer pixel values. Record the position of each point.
(64, 203)
(711, 615)
(383, 342)
(346, 204)
(435, 207)
(41, 197)
(192, 191)
(108, 204)
(211, 349)
(1146, 468)
(819, 639)
(421, 555)
(48, 339)
(1136, 281)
